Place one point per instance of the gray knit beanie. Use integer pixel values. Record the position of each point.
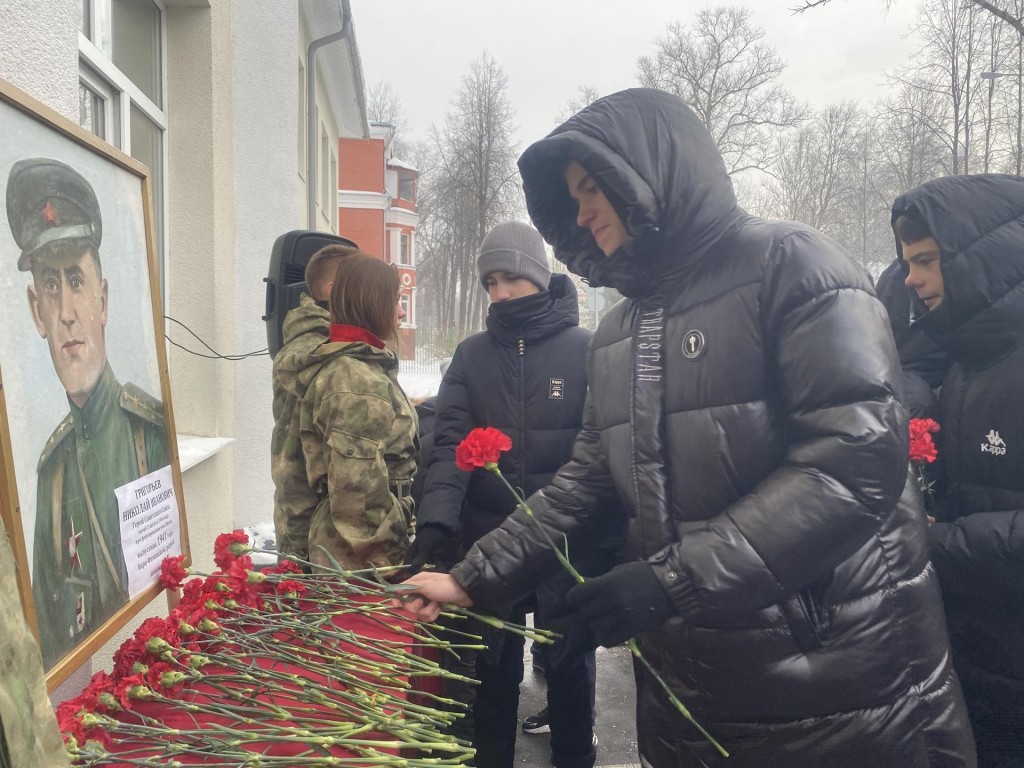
(516, 248)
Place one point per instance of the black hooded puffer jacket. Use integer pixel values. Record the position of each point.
(977, 543)
(923, 361)
(745, 406)
(524, 376)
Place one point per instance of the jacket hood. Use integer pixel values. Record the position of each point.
(308, 317)
(536, 316)
(978, 224)
(305, 328)
(658, 166)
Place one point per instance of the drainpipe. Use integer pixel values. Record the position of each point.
(312, 143)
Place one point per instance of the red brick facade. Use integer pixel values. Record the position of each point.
(371, 213)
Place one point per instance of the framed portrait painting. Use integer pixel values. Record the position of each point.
(91, 486)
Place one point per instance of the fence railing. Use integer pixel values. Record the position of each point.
(432, 346)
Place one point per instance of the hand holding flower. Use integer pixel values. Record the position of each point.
(427, 592)
(482, 449)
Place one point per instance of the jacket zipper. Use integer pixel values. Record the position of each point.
(954, 467)
(521, 351)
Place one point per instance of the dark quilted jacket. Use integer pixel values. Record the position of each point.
(524, 375)
(745, 407)
(977, 542)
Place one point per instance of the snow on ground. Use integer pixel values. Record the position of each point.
(418, 386)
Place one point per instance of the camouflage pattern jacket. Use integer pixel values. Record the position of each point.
(28, 730)
(358, 433)
(305, 328)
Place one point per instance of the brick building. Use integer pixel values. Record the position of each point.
(377, 209)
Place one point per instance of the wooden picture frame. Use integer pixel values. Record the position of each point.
(85, 398)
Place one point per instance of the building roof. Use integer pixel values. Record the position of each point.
(394, 162)
(340, 65)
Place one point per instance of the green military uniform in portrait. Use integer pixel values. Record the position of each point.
(78, 573)
(114, 433)
(28, 730)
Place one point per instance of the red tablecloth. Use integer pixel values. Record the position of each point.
(207, 694)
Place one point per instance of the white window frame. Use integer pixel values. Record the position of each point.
(404, 240)
(96, 69)
(302, 120)
(100, 87)
(405, 300)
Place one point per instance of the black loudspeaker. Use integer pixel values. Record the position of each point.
(287, 279)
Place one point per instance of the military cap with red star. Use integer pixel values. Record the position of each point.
(49, 202)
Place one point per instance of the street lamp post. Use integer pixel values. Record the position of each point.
(992, 77)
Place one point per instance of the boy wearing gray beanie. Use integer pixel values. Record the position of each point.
(526, 374)
(515, 249)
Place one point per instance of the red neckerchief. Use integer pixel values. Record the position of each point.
(343, 333)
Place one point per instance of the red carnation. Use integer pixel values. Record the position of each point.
(228, 546)
(922, 447)
(481, 448)
(290, 587)
(69, 723)
(172, 573)
(284, 566)
(123, 689)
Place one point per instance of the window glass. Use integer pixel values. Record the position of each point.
(84, 12)
(406, 186)
(92, 110)
(135, 30)
(123, 57)
(146, 148)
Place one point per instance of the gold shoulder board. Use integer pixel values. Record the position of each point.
(65, 428)
(137, 402)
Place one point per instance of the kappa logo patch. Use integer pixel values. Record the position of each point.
(556, 389)
(994, 444)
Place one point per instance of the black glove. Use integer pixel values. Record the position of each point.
(435, 548)
(624, 602)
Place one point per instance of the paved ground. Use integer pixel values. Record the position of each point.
(616, 726)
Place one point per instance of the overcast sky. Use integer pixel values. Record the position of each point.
(550, 47)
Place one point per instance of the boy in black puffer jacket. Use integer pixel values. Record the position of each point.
(524, 375)
(745, 407)
(961, 241)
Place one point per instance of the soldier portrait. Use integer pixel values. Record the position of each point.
(81, 381)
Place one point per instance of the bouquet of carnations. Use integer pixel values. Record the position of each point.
(269, 668)
(923, 451)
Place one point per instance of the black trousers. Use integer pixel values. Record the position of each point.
(491, 719)
(571, 675)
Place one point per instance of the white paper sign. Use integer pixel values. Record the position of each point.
(148, 511)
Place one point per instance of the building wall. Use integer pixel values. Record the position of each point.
(39, 51)
(201, 234)
(264, 117)
(365, 227)
(326, 210)
(361, 164)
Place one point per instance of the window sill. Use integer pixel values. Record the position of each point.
(193, 449)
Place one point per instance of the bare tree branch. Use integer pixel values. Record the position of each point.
(721, 66)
